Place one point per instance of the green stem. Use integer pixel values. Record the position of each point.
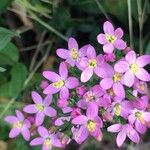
(102, 10)
(130, 23)
(50, 28)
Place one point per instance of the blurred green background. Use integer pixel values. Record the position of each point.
(32, 30)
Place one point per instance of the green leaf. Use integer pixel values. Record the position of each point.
(18, 76)
(4, 5)
(6, 36)
(9, 54)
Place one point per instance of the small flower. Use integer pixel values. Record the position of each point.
(111, 38)
(133, 67)
(89, 124)
(20, 125)
(44, 84)
(125, 130)
(109, 57)
(73, 54)
(41, 108)
(62, 103)
(60, 82)
(114, 81)
(92, 64)
(93, 95)
(46, 139)
(81, 90)
(140, 117)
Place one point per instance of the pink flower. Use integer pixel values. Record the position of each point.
(93, 95)
(111, 38)
(62, 103)
(46, 139)
(60, 82)
(75, 112)
(139, 117)
(81, 90)
(133, 67)
(41, 108)
(20, 125)
(44, 84)
(73, 54)
(109, 57)
(89, 124)
(125, 130)
(92, 64)
(114, 80)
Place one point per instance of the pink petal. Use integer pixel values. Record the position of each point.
(39, 119)
(92, 111)
(52, 76)
(131, 119)
(114, 128)
(11, 119)
(80, 120)
(146, 116)
(119, 90)
(120, 138)
(131, 57)
(143, 60)
(62, 53)
(26, 133)
(49, 111)
(51, 89)
(129, 79)
(36, 97)
(121, 66)
(106, 83)
(82, 104)
(100, 59)
(83, 50)
(108, 28)
(86, 75)
(143, 75)
(91, 53)
(63, 70)
(72, 43)
(108, 48)
(72, 82)
(82, 134)
(134, 136)
(14, 132)
(30, 109)
(71, 62)
(64, 93)
(20, 116)
(101, 38)
(120, 44)
(118, 33)
(47, 100)
(37, 141)
(140, 127)
(84, 62)
(43, 131)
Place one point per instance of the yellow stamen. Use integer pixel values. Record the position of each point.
(110, 38)
(91, 125)
(18, 124)
(59, 84)
(139, 116)
(89, 96)
(92, 63)
(134, 68)
(39, 107)
(142, 87)
(48, 143)
(74, 53)
(117, 109)
(117, 77)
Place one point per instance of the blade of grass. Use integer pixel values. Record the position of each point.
(130, 23)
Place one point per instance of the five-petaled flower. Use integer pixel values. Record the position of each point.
(41, 108)
(60, 82)
(111, 38)
(20, 125)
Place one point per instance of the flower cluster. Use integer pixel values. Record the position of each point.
(91, 92)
